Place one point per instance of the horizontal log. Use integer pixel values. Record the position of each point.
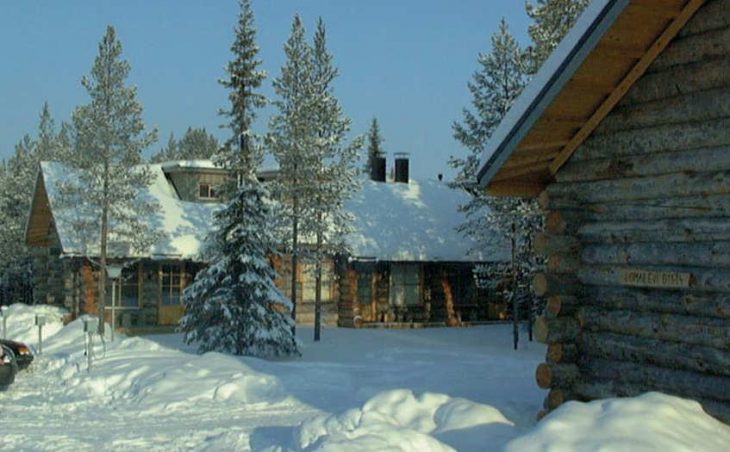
(676, 207)
(698, 106)
(661, 163)
(650, 187)
(660, 301)
(703, 254)
(561, 305)
(674, 230)
(605, 389)
(663, 138)
(702, 279)
(714, 14)
(546, 244)
(558, 330)
(561, 353)
(714, 333)
(686, 383)
(556, 375)
(694, 48)
(674, 355)
(555, 284)
(680, 80)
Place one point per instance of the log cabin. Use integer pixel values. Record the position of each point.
(624, 138)
(406, 265)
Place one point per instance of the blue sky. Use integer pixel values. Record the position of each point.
(406, 62)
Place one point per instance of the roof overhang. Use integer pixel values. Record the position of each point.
(609, 48)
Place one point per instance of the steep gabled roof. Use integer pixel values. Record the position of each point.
(609, 48)
(392, 221)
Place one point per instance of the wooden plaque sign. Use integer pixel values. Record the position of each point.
(645, 278)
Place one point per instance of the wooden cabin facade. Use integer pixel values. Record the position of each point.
(399, 285)
(633, 177)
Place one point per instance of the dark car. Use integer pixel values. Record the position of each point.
(8, 367)
(23, 355)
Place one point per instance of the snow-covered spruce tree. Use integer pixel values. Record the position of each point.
(291, 141)
(375, 146)
(105, 199)
(234, 305)
(244, 78)
(195, 144)
(495, 86)
(551, 21)
(334, 174)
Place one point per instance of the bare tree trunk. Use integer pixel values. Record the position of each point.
(102, 261)
(294, 262)
(318, 285)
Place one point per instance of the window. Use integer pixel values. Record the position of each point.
(365, 287)
(206, 191)
(172, 283)
(405, 285)
(130, 288)
(126, 288)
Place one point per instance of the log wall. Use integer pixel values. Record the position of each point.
(648, 191)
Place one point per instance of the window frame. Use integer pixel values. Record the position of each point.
(209, 189)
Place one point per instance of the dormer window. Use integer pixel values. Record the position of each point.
(206, 191)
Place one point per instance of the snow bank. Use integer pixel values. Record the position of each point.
(137, 370)
(21, 322)
(399, 420)
(650, 422)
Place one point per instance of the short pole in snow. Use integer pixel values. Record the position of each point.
(40, 321)
(5, 322)
(90, 326)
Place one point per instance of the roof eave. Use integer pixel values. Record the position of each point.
(505, 142)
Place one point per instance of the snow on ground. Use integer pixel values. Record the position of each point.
(435, 389)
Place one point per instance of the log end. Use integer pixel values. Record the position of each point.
(543, 375)
(541, 329)
(540, 284)
(555, 398)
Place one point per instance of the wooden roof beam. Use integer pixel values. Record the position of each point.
(542, 146)
(637, 71)
(515, 188)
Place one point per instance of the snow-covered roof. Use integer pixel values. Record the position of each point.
(412, 222)
(182, 225)
(392, 221)
(547, 84)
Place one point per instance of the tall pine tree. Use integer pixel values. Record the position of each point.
(110, 137)
(291, 141)
(489, 221)
(334, 178)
